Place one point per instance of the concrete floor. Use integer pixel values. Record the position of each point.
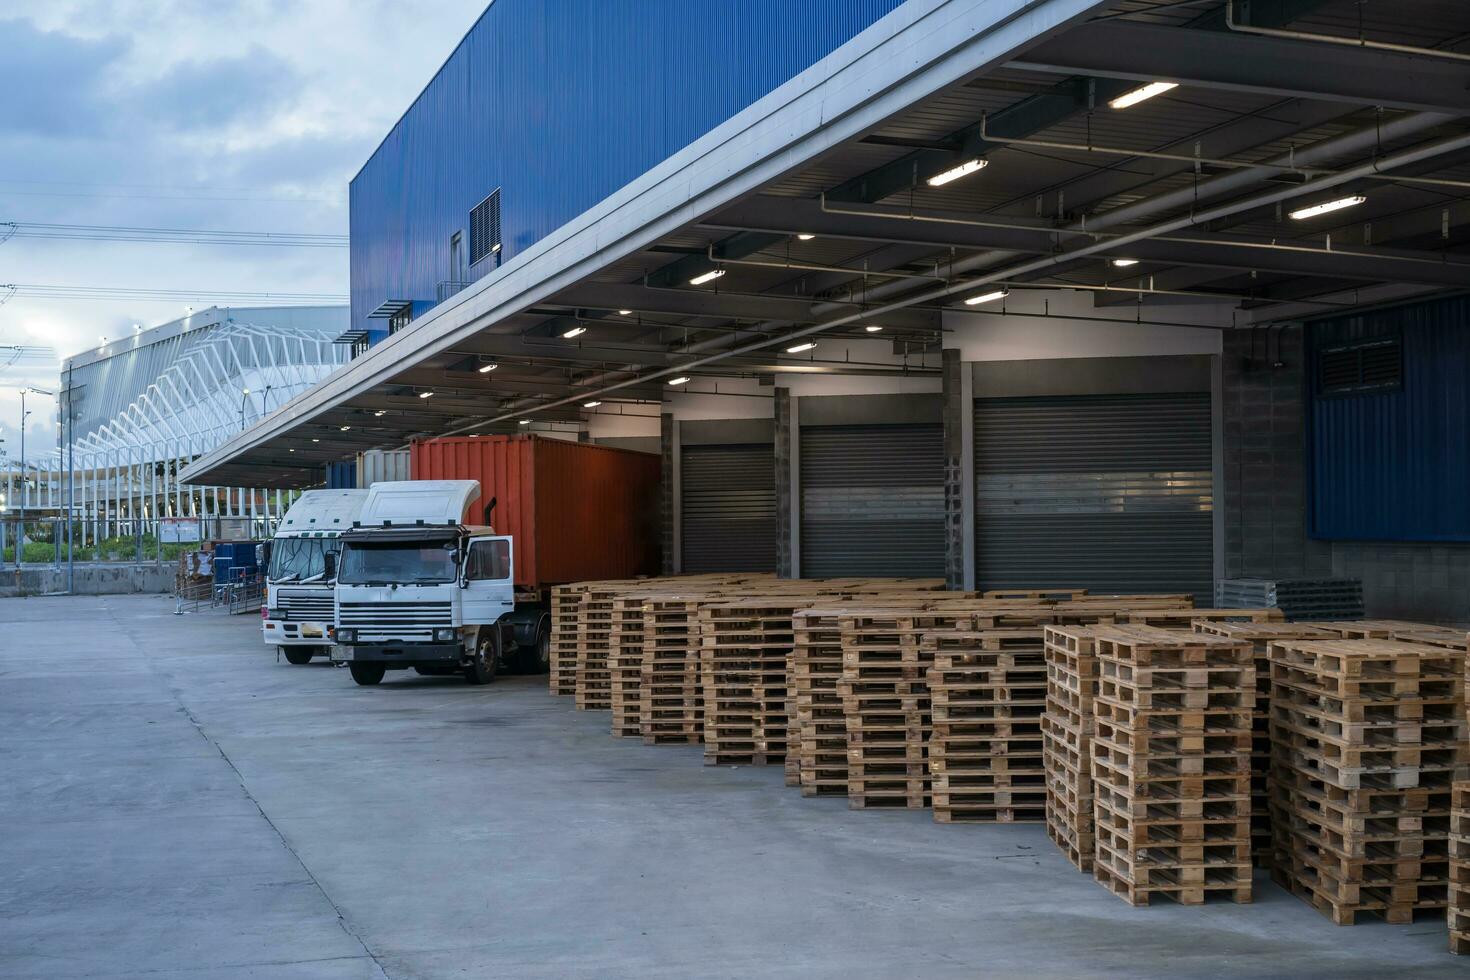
(176, 803)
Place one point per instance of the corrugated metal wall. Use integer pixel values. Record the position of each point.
(728, 508)
(1394, 466)
(1111, 493)
(559, 103)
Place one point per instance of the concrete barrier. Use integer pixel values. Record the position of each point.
(120, 579)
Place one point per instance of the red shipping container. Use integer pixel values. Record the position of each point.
(576, 511)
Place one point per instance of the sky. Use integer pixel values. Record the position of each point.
(231, 115)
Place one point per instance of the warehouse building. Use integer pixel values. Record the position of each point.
(1131, 296)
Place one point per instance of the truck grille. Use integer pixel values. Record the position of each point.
(306, 607)
(387, 621)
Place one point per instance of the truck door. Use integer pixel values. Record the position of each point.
(489, 591)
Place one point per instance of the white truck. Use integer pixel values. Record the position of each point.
(300, 601)
(419, 587)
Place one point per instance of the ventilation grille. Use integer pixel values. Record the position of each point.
(1363, 367)
(485, 228)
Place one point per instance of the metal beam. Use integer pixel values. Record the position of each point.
(1268, 66)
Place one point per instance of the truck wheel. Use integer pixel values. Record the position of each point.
(482, 668)
(367, 674)
(298, 655)
(537, 660)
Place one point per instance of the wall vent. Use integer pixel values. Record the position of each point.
(1363, 367)
(485, 228)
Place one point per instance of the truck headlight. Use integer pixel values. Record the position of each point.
(445, 634)
(276, 614)
(346, 635)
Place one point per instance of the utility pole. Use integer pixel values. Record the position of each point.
(24, 480)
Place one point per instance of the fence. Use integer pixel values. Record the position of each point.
(49, 541)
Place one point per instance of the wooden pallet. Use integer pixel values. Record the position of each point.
(1170, 760)
(1367, 736)
(671, 708)
(625, 665)
(745, 648)
(566, 604)
(1458, 912)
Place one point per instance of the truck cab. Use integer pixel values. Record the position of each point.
(300, 607)
(419, 588)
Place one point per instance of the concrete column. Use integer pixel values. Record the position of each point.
(959, 472)
(787, 546)
(668, 434)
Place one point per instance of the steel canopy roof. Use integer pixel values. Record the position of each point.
(815, 207)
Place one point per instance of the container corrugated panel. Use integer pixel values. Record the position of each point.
(382, 466)
(559, 103)
(341, 476)
(1393, 466)
(576, 511)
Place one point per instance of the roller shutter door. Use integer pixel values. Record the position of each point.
(729, 508)
(1112, 493)
(872, 500)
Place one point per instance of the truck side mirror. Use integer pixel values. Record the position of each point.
(329, 567)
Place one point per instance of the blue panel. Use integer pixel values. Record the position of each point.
(342, 476)
(1395, 466)
(560, 103)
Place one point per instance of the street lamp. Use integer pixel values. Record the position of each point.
(24, 480)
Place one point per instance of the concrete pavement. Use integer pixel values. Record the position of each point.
(177, 803)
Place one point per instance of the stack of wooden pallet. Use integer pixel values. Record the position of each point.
(625, 664)
(566, 605)
(816, 673)
(1067, 729)
(744, 652)
(1459, 912)
(594, 646)
(671, 705)
(988, 693)
(1367, 737)
(1171, 765)
(1260, 635)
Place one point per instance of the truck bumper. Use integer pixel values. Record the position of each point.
(399, 654)
(285, 634)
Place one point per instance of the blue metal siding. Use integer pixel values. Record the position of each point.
(342, 476)
(560, 103)
(1396, 466)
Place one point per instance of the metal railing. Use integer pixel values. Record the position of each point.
(53, 541)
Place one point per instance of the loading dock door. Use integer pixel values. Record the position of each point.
(1112, 493)
(872, 500)
(728, 502)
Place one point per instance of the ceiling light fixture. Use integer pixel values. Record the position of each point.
(525, 422)
(705, 277)
(955, 173)
(1124, 263)
(345, 428)
(1143, 94)
(625, 312)
(801, 347)
(574, 332)
(316, 440)
(380, 413)
(805, 238)
(681, 380)
(290, 450)
(873, 328)
(990, 297)
(590, 404)
(1327, 207)
(487, 368)
(426, 394)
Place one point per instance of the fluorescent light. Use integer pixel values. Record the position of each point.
(487, 368)
(426, 394)
(873, 328)
(681, 380)
(525, 422)
(1143, 94)
(1328, 207)
(590, 404)
(290, 450)
(805, 238)
(380, 413)
(625, 312)
(801, 347)
(345, 428)
(705, 277)
(574, 332)
(955, 173)
(989, 297)
(316, 440)
(1124, 263)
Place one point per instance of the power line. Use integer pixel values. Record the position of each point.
(44, 291)
(181, 236)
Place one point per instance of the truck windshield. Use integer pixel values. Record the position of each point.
(299, 559)
(397, 562)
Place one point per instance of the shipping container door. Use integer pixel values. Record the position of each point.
(1111, 493)
(728, 507)
(872, 500)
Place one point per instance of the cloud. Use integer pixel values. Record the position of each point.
(219, 92)
(52, 83)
